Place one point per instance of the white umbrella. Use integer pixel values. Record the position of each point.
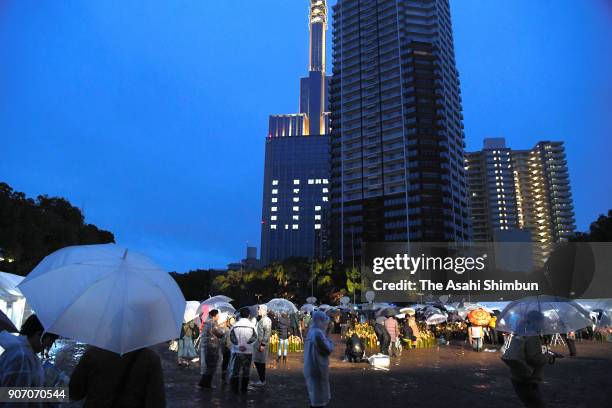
(9, 283)
(220, 306)
(192, 310)
(324, 307)
(104, 296)
(218, 298)
(308, 308)
(436, 318)
(281, 305)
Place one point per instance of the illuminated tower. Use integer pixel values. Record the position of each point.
(296, 173)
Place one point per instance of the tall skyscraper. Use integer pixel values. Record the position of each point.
(296, 176)
(397, 141)
(521, 189)
(492, 190)
(544, 197)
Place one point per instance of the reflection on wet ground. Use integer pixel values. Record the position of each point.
(445, 376)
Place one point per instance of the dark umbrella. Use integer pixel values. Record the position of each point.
(388, 312)
(6, 324)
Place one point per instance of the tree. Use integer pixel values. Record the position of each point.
(599, 231)
(32, 229)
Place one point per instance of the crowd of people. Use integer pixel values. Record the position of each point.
(234, 344)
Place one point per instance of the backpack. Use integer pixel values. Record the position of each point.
(514, 357)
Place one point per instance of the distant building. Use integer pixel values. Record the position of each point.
(296, 174)
(521, 189)
(247, 264)
(492, 190)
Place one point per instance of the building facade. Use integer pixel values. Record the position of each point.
(296, 197)
(492, 190)
(544, 197)
(397, 141)
(525, 190)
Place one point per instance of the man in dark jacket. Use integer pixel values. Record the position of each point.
(105, 379)
(284, 327)
(384, 339)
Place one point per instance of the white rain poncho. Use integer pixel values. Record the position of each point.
(19, 365)
(317, 349)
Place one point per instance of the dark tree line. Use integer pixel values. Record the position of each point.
(294, 279)
(599, 231)
(31, 229)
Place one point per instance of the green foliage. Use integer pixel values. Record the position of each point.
(294, 279)
(32, 229)
(599, 231)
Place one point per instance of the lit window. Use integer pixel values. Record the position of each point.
(325, 199)
(273, 209)
(296, 199)
(296, 208)
(317, 208)
(318, 181)
(295, 226)
(325, 190)
(273, 218)
(310, 181)
(274, 199)
(274, 191)
(272, 226)
(317, 226)
(325, 181)
(296, 181)
(296, 191)
(275, 182)
(296, 217)
(317, 217)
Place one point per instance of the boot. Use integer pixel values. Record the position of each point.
(244, 386)
(278, 358)
(234, 384)
(284, 359)
(206, 381)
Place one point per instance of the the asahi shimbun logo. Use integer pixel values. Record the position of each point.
(412, 264)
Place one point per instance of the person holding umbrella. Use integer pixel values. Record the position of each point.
(19, 364)
(526, 361)
(209, 349)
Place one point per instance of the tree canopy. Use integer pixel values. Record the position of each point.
(31, 229)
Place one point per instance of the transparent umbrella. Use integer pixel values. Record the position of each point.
(281, 305)
(192, 310)
(308, 308)
(220, 306)
(218, 298)
(542, 315)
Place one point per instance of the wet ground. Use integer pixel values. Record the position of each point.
(446, 376)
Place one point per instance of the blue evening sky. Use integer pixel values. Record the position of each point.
(151, 115)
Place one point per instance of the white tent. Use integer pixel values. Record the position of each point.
(12, 301)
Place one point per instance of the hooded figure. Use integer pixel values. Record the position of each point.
(317, 349)
(260, 350)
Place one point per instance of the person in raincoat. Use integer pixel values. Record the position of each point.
(209, 348)
(19, 364)
(186, 351)
(260, 351)
(317, 349)
(284, 331)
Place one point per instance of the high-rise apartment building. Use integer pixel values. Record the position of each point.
(544, 197)
(521, 189)
(296, 196)
(397, 141)
(492, 190)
